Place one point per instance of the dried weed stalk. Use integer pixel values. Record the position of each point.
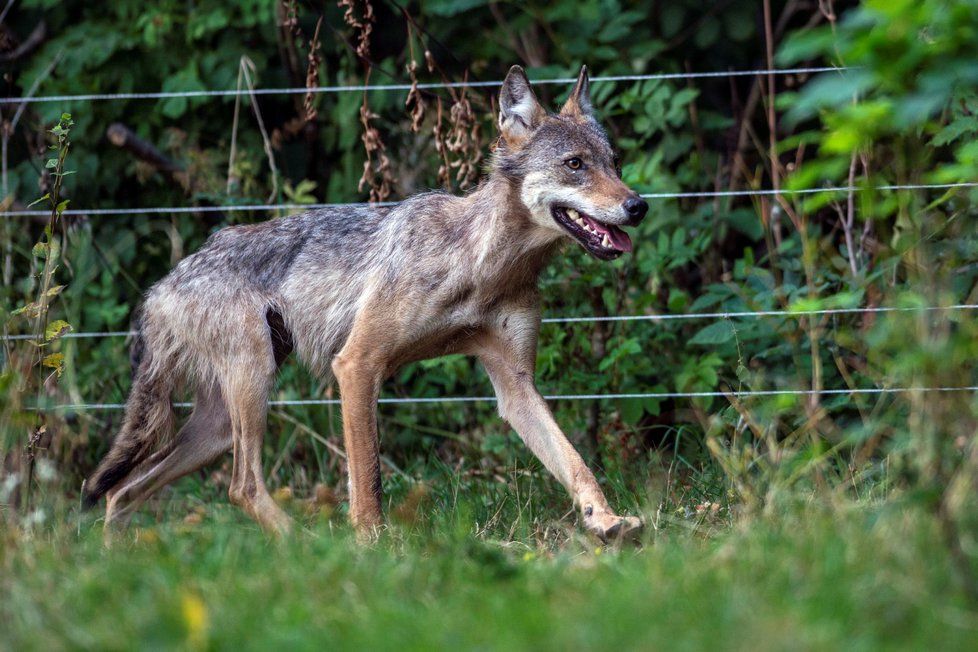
(439, 132)
(457, 132)
(312, 73)
(377, 174)
(465, 140)
(291, 20)
(362, 26)
(415, 101)
(458, 141)
(308, 111)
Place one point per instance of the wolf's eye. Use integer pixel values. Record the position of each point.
(574, 163)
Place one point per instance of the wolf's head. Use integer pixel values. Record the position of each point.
(568, 174)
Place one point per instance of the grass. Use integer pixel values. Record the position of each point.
(485, 566)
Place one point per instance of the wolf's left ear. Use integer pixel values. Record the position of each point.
(519, 111)
(579, 102)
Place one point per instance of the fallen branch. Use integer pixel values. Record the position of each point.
(125, 138)
(31, 43)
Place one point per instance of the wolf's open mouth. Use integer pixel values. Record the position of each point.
(605, 241)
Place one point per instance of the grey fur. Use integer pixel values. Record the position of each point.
(360, 291)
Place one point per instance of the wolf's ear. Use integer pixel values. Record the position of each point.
(519, 111)
(579, 102)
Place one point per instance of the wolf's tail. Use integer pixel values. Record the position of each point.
(148, 419)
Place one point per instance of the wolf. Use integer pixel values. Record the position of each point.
(357, 292)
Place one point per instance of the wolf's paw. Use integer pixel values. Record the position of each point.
(610, 528)
(369, 533)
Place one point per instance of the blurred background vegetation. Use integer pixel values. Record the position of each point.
(902, 113)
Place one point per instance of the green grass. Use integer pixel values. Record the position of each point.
(863, 577)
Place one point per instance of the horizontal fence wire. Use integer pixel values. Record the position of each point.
(758, 313)
(645, 395)
(244, 208)
(572, 397)
(482, 84)
(625, 318)
(167, 210)
(352, 88)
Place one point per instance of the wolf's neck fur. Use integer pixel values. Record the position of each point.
(502, 236)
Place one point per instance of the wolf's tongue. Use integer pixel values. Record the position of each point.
(619, 238)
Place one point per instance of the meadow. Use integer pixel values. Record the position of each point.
(780, 379)
(488, 566)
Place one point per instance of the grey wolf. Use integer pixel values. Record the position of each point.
(358, 292)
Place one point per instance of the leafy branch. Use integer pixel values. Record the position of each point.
(45, 332)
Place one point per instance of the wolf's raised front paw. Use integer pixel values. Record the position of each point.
(610, 528)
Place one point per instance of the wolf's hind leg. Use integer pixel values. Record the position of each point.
(247, 398)
(204, 437)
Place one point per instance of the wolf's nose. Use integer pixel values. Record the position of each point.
(635, 208)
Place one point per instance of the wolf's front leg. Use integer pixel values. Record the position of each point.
(359, 377)
(509, 363)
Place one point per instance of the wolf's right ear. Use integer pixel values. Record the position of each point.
(519, 111)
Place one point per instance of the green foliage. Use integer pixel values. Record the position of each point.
(129, 48)
(903, 113)
(26, 372)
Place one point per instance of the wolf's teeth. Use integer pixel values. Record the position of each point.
(605, 242)
(572, 213)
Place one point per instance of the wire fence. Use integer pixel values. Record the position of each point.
(244, 208)
(352, 88)
(170, 210)
(798, 313)
(640, 395)
(570, 397)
